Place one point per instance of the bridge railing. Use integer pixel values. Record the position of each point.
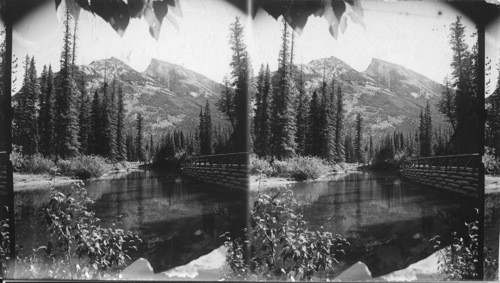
(461, 162)
(238, 160)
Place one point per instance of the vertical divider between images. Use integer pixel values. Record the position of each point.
(5, 137)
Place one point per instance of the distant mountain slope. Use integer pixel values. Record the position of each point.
(388, 96)
(166, 94)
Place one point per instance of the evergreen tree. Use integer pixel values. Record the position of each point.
(302, 121)
(201, 132)
(84, 119)
(359, 138)
(121, 151)
(41, 101)
(314, 135)
(466, 71)
(266, 114)
(339, 127)
(257, 121)
(139, 138)
(205, 131)
(371, 150)
(425, 132)
(241, 75)
(25, 113)
(330, 124)
(446, 104)
(283, 125)
(65, 113)
(46, 115)
(112, 118)
(95, 136)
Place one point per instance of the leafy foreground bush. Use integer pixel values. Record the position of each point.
(299, 168)
(279, 247)
(460, 260)
(4, 247)
(78, 247)
(491, 163)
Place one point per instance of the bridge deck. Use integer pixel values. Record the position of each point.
(457, 174)
(224, 170)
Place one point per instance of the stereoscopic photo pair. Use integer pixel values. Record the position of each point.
(250, 140)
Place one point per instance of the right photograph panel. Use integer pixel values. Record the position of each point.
(367, 142)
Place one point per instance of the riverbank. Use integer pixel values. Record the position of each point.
(25, 181)
(262, 182)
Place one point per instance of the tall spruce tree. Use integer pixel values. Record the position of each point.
(466, 72)
(205, 131)
(65, 112)
(139, 147)
(241, 75)
(121, 151)
(314, 132)
(302, 121)
(283, 125)
(47, 116)
(84, 114)
(359, 139)
(95, 136)
(425, 132)
(339, 127)
(446, 104)
(25, 113)
(330, 124)
(257, 121)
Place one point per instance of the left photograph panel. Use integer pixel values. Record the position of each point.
(129, 139)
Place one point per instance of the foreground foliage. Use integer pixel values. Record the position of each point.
(279, 247)
(460, 260)
(4, 247)
(78, 247)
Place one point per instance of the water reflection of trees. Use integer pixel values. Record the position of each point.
(178, 219)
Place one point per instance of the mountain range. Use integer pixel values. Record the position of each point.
(388, 96)
(167, 95)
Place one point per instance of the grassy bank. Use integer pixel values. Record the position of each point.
(297, 168)
(80, 167)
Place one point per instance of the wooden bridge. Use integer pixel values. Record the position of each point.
(458, 174)
(224, 170)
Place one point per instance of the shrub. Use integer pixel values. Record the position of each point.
(300, 168)
(304, 168)
(260, 166)
(491, 163)
(78, 247)
(35, 164)
(84, 167)
(280, 247)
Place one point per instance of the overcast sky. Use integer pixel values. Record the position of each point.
(492, 50)
(412, 34)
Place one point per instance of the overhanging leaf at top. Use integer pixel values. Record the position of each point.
(296, 12)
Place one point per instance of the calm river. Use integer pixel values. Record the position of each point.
(388, 221)
(178, 219)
